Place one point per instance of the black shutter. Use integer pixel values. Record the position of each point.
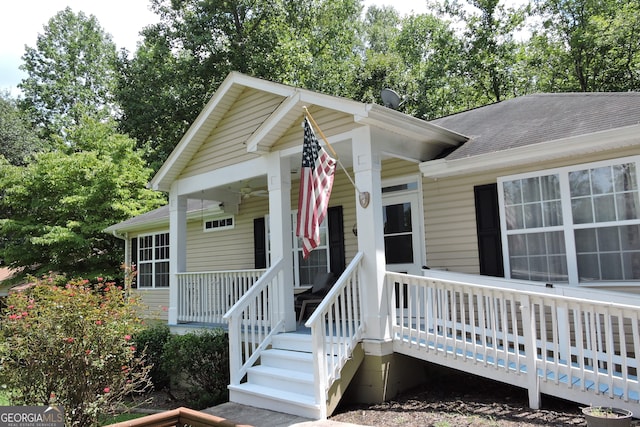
(134, 261)
(336, 240)
(259, 243)
(488, 227)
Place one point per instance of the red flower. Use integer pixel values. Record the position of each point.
(98, 322)
(69, 339)
(127, 337)
(107, 390)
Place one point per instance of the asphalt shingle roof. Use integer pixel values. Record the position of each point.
(538, 118)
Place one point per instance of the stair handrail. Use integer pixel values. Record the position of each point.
(336, 327)
(253, 321)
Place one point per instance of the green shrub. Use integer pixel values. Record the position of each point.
(201, 362)
(72, 346)
(151, 341)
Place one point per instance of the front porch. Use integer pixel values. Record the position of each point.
(571, 343)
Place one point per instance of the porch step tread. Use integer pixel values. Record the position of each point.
(304, 400)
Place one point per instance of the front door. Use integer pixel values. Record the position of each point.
(402, 232)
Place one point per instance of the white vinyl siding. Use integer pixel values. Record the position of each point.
(226, 143)
(154, 303)
(450, 223)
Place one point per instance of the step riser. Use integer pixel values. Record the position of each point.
(287, 363)
(285, 342)
(290, 384)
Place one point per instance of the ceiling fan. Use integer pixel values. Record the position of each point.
(247, 191)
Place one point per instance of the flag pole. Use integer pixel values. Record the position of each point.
(363, 197)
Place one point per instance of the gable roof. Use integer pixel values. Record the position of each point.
(287, 111)
(538, 127)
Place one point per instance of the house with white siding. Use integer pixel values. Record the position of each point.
(503, 241)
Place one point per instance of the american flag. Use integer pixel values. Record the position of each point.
(316, 180)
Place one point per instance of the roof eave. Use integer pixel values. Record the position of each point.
(544, 151)
(409, 126)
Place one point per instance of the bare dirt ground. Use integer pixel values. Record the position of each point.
(450, 399)
(454, 399)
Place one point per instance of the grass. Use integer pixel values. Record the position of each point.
(4, 398)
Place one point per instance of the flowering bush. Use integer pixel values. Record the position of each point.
(71, 345)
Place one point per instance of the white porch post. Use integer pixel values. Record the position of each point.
(279, 185)
(177, 249)
(367, 168)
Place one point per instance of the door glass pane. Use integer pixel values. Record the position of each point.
(398, 236)
(397, 218)
(398, 249)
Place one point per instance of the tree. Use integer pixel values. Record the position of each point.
(591, 45)
(71, 73)
(185, 56)
(56, 208)
(490, 49)
(434, 58)
(17, 138)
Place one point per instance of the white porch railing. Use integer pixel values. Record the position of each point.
(206, 297)
(584, 350)
(253, 320)
(336, 327)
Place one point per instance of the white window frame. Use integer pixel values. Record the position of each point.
(230, 223)
(567, 227)
(154, 261)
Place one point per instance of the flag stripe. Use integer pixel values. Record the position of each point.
(316, 181)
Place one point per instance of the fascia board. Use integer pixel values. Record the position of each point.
(549, 150)
(409, 126)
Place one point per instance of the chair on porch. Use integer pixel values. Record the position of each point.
(322, 283)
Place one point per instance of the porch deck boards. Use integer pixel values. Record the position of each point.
(550, 375)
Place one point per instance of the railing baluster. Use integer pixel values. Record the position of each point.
(570, 342)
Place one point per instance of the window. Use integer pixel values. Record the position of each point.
(576, 224)
(218, 224)
(153, 261)
(305, 270)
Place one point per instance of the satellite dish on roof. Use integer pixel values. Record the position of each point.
(390, 98)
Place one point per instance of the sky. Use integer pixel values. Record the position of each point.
(21, 21)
